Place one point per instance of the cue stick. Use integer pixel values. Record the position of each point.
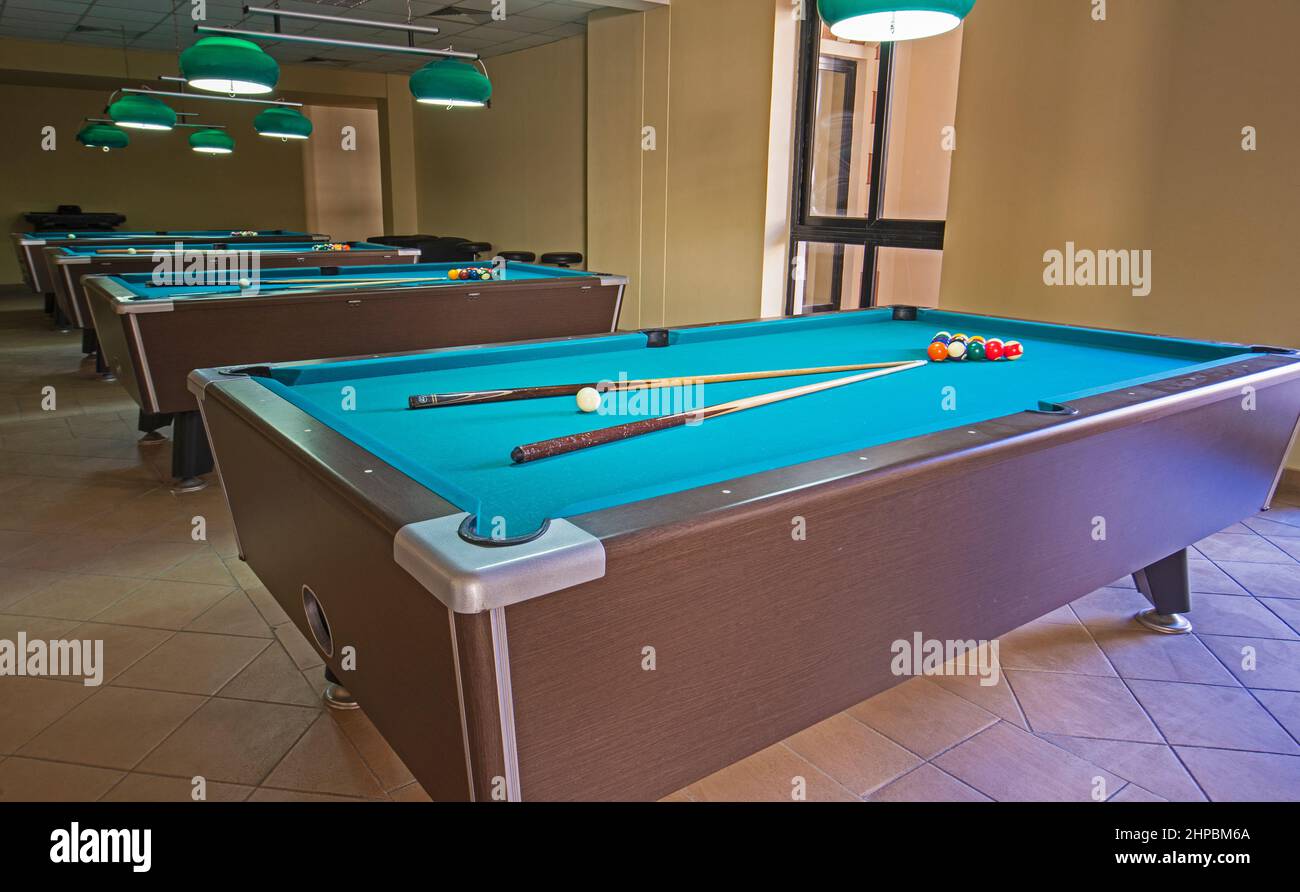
(574, 442)
(441, 400)
(352, 283)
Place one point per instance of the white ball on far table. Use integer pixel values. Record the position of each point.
(589, 399)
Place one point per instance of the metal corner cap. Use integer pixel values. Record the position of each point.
(470, 578)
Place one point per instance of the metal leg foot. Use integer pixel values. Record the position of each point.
(152, 438)
(1166, 623)
(336, 696)
(189, 484)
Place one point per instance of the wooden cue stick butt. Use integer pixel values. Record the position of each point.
(574, 442)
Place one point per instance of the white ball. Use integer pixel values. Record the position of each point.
(589, 399)
(244, 283)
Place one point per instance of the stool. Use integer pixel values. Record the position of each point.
(562, 258)
(518, 256)
(476, 248)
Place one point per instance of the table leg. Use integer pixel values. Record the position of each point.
(148, 424)
(88, 340)
(1166, 585)
(49, 304)
(191, 455)
(61, 322)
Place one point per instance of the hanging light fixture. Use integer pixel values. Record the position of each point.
(452, 83)
(142, 112)
(890, 20)
(231, 65)
(103, 136)
(212, 142)
(286, 123)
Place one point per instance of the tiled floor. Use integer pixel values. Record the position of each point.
(206, 677)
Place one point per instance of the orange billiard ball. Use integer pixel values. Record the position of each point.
(938, 351)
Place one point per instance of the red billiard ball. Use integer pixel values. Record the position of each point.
(938, 351)
(993, 349)
(1012, 350)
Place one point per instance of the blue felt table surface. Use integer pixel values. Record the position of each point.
(463, 453)
(421, 275)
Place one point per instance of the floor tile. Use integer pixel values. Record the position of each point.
(1234, 547)
(77, 596)
(232, 615)
(1265, 580)
(272, 678)
(858, 758)
(1205, 576)
(1152, 765)
(190, 663)
(927, 784)
(123, 645)
(1052, 647)
(325, 761)
(235, 741)
(776, 774)
(996, 699)
(1275, 664)
(29, 705)
(1134, 793)
(114, 728)
(1235, 615)
(1081, 706)
(374, 749)
(34, 780)
(924, 717)
(1209, 716)
(1008, 764)
(1230, 776)
(164, 604)
(138, 787)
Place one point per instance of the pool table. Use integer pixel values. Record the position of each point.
(620, 621)
(71, 263)
(37, 274)
(153, 335)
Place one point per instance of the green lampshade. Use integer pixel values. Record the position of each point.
(103, 136)
(888, 20)
(286, 123)
(451, 82)
(142, 113)
(212, 142)
(229, 65)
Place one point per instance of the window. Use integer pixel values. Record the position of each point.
(872, 159)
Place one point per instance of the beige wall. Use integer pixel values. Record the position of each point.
(343, 186)
(1127, 134)
(688, 220)
(513, 174)
(158, 182)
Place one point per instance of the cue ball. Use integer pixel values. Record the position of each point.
(130, 250)
(589, 399)
(244, 283)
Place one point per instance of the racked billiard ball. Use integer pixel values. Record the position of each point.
(993, 349)
(938, 351)
(1012, 350)
(957, 349)
(975, 350)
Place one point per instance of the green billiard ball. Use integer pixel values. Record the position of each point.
(975, 350)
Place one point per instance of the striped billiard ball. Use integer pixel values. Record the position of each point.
(1012, 350)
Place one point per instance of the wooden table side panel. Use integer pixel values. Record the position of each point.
(260, 330)
(296, 531)
(759, 636)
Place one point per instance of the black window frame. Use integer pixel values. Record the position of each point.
(873, 231)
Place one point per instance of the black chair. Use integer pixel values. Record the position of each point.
(477, 248)
(562, 258)
(518, 256)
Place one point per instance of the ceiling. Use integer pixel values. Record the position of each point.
(166, 24)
